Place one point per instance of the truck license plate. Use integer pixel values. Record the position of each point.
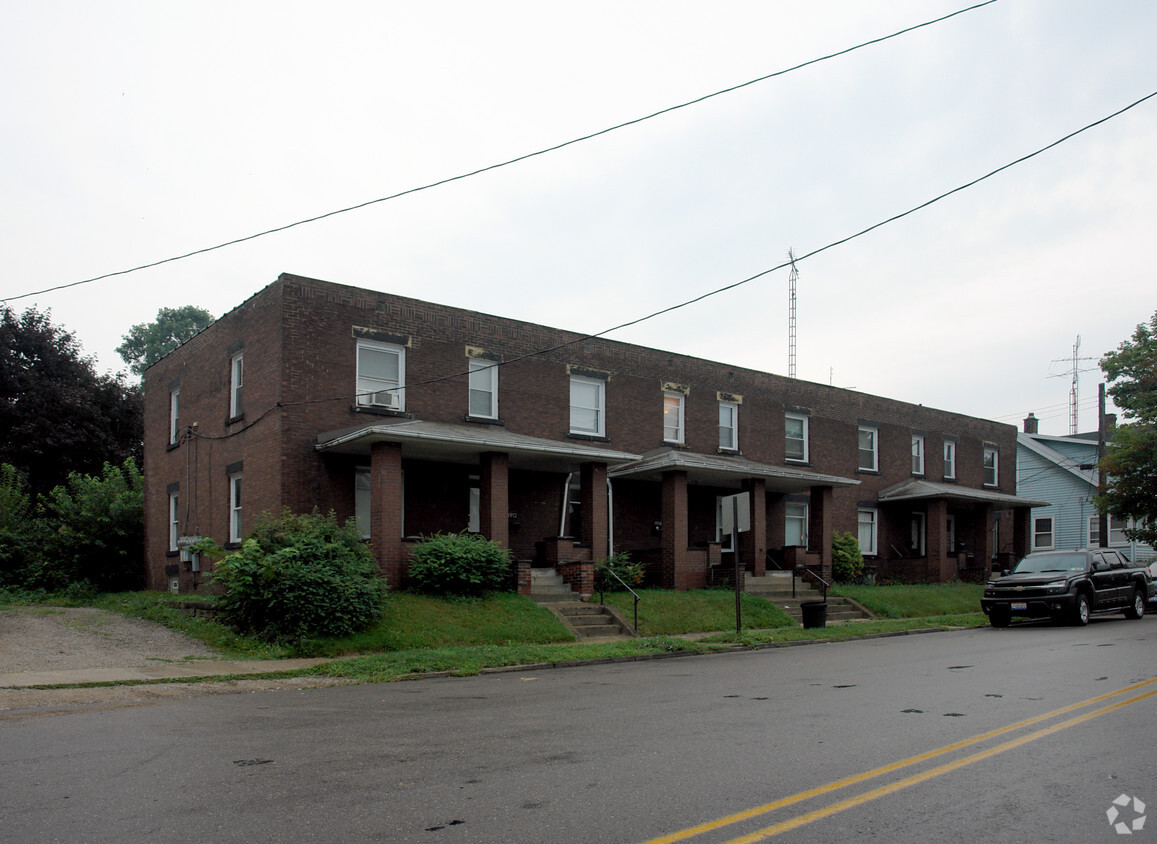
(1019, 605)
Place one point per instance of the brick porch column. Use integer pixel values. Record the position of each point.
(674, 537)
(1021, 531)
(754, 545)
(936, 540)
(494, 497)
(386, 510)
(819, 530)
(595, 510)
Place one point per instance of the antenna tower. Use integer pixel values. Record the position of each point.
(792, 278)
(1073, 392)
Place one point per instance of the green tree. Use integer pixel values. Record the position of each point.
(21, 538)
(148, 342)
(57, 415)
(1130, 466)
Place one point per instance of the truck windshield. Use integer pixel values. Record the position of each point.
(1050, 562)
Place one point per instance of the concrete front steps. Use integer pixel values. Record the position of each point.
(587, 621)
(776, 587)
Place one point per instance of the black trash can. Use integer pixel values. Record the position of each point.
(815, 613)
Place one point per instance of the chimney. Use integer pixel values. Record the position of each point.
(1030, 424)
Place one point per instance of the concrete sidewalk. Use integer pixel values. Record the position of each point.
(154, 673)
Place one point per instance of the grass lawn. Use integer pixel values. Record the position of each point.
(663, 612)
(900, 601)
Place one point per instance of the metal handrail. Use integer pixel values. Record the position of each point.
(806, 572)
(602, 594)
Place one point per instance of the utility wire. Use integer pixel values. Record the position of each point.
(506, 163)
(584, 337)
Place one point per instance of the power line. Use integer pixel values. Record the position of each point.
(793, 260)
(505, 163)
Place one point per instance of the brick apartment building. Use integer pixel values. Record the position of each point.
(414, 417)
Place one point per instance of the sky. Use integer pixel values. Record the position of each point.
(133, 132)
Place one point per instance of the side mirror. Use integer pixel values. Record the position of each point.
(1005, 572)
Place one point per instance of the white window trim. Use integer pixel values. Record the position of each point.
(681, 412)
(600, 406)
(801, 517)
(174, 519)
(919, 523)
(733, 428)
(377, 392)
(236, 382)
(917, 454)
(875, 467)
(995, 466)
(806, 452)
(950, 459)
(1094, 532)
(235, 508)
(1037, 546)
(174, 417)
(869, 552)
(483, 379)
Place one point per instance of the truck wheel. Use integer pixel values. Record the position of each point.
(1137, 608)
(998, 617)
(1081, 610)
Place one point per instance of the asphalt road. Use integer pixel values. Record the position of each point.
(788, 741)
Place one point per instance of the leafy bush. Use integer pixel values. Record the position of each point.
(20, 532)
(459, 564)
(630, 573)
(298, 576)
(96, 531)
(847, 561)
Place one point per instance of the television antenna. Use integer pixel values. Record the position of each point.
(1074, 391)
(792, 278)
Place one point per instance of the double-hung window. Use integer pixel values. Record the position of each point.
(236, 381)
(795, 524)
(587, 406)
(381, 375)
(950, 459)
(1042, 533)
(673, 416)
(1117, 527)
(869, 448)
(917, 454)
(174, 417)
(795, 437)
(362, 502)
(483, 388)
(991, 466)
(235, 534)
(728, 426)
(866, 531)
(174, 520)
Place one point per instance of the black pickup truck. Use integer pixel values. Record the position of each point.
(1068, 585)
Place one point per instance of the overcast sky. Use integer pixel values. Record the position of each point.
(133, 132)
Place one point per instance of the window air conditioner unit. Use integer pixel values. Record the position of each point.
(386, 399)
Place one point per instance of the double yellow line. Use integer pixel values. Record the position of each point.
(914, 779)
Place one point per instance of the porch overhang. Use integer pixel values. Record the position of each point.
(453, 443)
(724, 471)
(917, 490)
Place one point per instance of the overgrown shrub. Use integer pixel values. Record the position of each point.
(459, 564)
(630, 573)
(96, 530)
(20, 533)
(847, 561)
(298, 576)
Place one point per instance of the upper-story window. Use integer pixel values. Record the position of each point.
(869, 458)
(917, 454)
(381, 375)
(950, 458)
(795, 437)
(174, 416)
(236, 382)
(728, 426)
(673, 416)
(483, 388)
(991, 465)
(587, 406)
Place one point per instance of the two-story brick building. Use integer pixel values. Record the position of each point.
(415, 417)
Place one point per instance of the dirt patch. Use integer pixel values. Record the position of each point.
(63, 639)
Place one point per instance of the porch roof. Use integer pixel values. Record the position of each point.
(724, 471)
(463, 443)
(915, 489)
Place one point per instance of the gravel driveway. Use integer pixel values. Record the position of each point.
(43, 638)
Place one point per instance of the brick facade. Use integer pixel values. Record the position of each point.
(302, 438)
